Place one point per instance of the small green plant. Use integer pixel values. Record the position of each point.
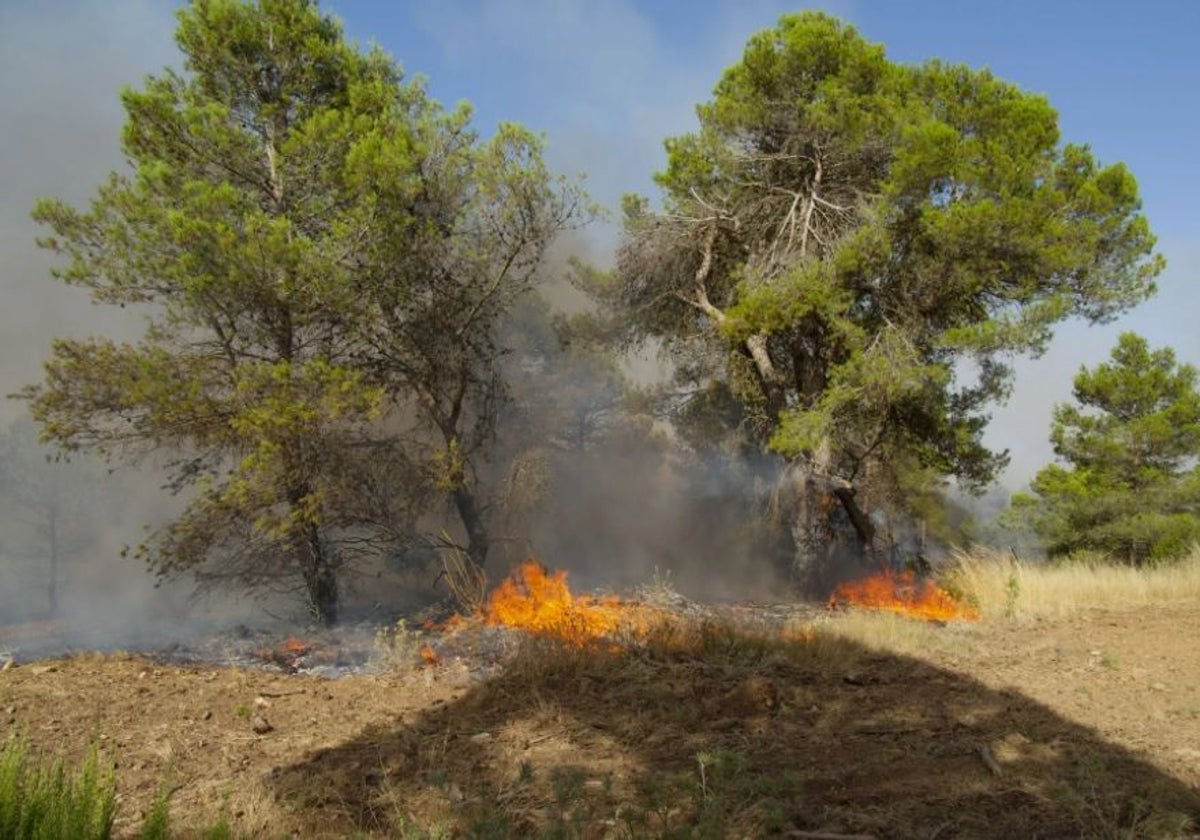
(242, 710)
(157, 823)
(220, 830)
(1110, 661)
(42, 798)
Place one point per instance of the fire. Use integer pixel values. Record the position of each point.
(541, 603)
(294, 647)
(903, 593)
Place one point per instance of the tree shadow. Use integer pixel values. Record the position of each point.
(712, 733)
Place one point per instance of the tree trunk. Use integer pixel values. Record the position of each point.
(320, 577)
(804, 499)
(845, 493)
(472, 520)
(316, 564)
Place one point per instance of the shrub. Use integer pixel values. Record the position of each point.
(43, 799)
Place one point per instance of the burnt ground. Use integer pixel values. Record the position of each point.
(1080, 727)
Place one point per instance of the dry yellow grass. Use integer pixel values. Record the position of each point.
(894, 633)
(1003, 587)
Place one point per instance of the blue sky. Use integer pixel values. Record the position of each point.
(1122, 75)
(607, 80)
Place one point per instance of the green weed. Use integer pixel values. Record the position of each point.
(45, 800)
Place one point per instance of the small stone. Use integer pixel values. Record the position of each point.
(11, 710)
(455, 793)
(1157, 687)
(38, 670)
(207, 715)
(261, 702)
(481, 737)
(260, 725)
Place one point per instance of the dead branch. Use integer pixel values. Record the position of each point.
(806, 226)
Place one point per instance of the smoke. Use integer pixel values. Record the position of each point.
(62, 64)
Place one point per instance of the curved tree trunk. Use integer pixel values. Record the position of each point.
(863, 527)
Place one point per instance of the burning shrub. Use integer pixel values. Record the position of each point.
(903, 593)
(540, 602)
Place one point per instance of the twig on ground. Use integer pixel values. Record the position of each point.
(985, 755)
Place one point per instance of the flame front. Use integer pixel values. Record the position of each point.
(533, 600)
(294, 647)
(903, 593)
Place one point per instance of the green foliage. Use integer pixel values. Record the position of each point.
(1128, 486)
(847, 231)
(324, 255)
(157, 823)
(46, 800)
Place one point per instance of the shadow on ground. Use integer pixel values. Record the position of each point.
(714, 734)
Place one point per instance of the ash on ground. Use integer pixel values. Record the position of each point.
(433, 637)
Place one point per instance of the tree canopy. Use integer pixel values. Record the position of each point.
(1128, 486)
(323, 253)
(850, 251)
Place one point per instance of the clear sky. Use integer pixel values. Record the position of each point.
(607, 80)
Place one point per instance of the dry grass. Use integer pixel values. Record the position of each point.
(891, 632)
(1002, 587)
(467, 582)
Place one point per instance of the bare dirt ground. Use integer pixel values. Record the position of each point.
(1081, 727)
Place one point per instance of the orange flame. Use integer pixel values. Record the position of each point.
(541, 603)
(294, 647)
(430, 656)
(903, 593)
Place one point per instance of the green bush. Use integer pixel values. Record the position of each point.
(45, 800)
